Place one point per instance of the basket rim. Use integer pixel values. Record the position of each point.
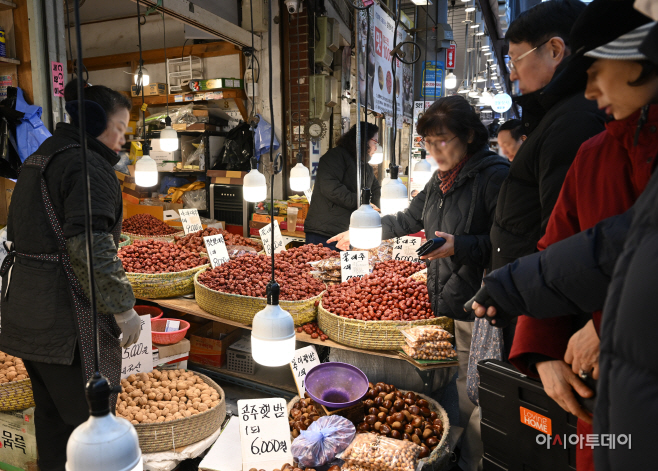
(212, 384)
(189, 271)
(380, 323)
(131, 234)
(281, 301)
(11, 384)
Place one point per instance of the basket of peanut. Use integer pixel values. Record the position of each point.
(171, 408)
(15, 385)
(236, 290)
(159, 269)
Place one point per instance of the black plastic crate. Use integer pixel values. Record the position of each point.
(510, 444)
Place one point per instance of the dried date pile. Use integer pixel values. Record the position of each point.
(388, 297)
(147, 225)
(306, 254)
(250, 274)
(158, 256)
(312, 329)
(398, 267)
(194, 241)
(402, 416)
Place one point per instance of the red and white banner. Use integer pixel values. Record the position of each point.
(450, 56)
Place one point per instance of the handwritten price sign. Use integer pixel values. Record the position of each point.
(266, 238)
(138, 358)
(354, 264)
(405, 248)
(304, 360)
(264, 433)
(191, 220)
(216, 248)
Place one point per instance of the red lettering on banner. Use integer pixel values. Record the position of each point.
(450, 56)
(378, 41)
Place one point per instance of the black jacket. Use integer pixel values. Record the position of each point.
(556, 126)
(335, 195)
(611, 266)
(465, 211)
(38, 320)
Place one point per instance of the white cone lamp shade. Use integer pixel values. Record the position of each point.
(451, 81)
(254, 187)
(168, 139)
(463, 90)
(394, 197)
(378, 156)
(422, 172)
(146, 172)
(105, 443)
(487, 97)
(273, 336)
(300, 178)
(145, 77)
(474, 93)
(365, 228)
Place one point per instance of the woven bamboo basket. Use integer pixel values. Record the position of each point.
(371, 335)
(167, 436)
(16, 395)
(125, 240)
(438, 459)
(168, 238)
(164, 285)
(242, 309)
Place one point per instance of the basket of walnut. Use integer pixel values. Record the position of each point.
(171, 408)
(15, 385)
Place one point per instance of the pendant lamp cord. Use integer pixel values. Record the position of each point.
(82, 126)
(164, 36)
(366, 141)
(140, 78)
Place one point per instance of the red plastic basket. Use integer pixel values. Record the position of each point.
(167, 338)
(154, 311)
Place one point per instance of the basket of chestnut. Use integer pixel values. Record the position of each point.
(405, 415)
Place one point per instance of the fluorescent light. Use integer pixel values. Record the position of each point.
(487, 53)
(475, 26)
(422, 2)
(480, 33)
(469, 9)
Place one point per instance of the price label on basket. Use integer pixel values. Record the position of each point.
(405, 248)
(138, 358)
(190, 219)
(216, 248)
(266, 238)
(354, 263)
(304, 360)
(264, 433)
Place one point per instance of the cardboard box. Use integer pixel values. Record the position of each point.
(152, 89)
(166, 161)
(210, 342)
(7, 190)
(303, 209)
(172, 355)
(19, 443)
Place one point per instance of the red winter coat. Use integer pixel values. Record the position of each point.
(608, 174)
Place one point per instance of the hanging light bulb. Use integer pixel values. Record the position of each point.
(474, 92)
(365, 225)
(104, 442)
(451, 81)
(422, 170)
(394, 196)
(300, 177)
(487, 97)
(273, 332)
(254, 188)
(168, 137)
(146, 170)
(378, 156)
(145, 76)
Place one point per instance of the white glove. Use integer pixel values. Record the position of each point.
(131, 326)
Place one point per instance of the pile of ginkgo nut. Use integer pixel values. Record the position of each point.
(163, 396)
(11, 369)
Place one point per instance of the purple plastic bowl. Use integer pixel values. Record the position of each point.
(336, 385)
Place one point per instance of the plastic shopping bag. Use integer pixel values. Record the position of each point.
(323, 440)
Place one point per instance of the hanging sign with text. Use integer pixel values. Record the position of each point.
(264, 433)
(191, 220)
(138, 358)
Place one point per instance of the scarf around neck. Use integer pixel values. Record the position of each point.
(448, 178)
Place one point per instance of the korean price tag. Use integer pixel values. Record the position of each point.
(264, 433)
(405, 248)
(266, 238)
(353, 264)
(191, 220)
(216, 248)
(304, 360)
(138, 358)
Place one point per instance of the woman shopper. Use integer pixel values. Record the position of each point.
(336, 194)
(46, 314)
(458, 203)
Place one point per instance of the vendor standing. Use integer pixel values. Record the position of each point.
(46, 313)
(336, 194)
(458, 204)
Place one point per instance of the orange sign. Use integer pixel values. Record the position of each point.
(536, 421)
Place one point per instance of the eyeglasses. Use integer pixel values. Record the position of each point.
(439, 143)
(511, 65)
